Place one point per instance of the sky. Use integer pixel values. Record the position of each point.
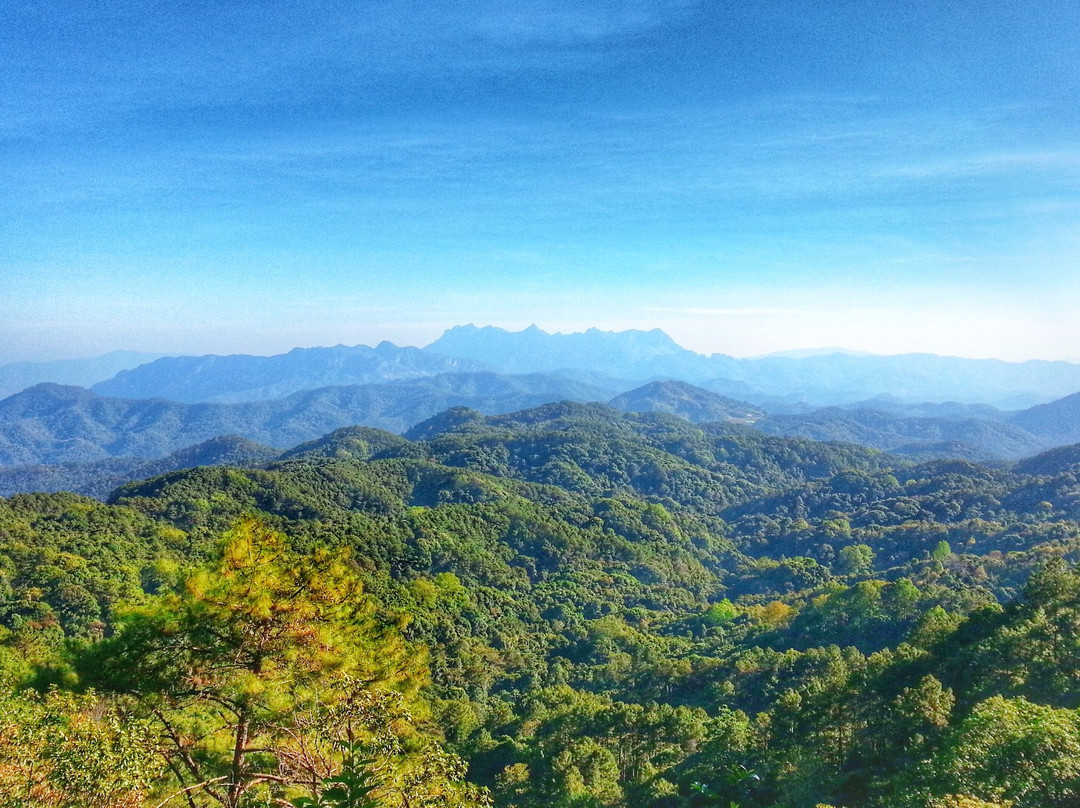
(251, 176)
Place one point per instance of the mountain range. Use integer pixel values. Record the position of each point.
(82, 372)
(61, 424)
(601, 600)
(614, 361)
(55, 437)
(240, 378)
(920, 407)
(819, 379)
(98, 479)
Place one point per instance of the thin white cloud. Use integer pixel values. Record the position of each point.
(550, 22)
(992, 163)
(736, 312)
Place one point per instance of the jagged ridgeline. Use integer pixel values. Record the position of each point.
(177, 412)
(563, 606)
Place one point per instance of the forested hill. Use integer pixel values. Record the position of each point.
(688, 401)
(919, 437)
(937, 431)
(99, 478)
(1058, 421)
(57, 424)
(54, 437)
(623, 610)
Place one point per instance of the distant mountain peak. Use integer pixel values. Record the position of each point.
(448, 420)
(82, 372)
(230, 379)
(631, 354)
(51, 391)
(806, 353)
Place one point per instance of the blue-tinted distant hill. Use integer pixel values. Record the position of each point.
(98, 479)
(617, 362)
(627, 354)
(1058, 422)
(82, 372)
(67, 438)
(918, 437)
(949, 432)
(49, 424)
(1062, 460)
(695, 404)
(952, 410)
(822, 380)
(911, 378)
(239, 377)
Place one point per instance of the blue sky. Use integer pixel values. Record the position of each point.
(199, 177)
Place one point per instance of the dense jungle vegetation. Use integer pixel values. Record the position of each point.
(568, 607)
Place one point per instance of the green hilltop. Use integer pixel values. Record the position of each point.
(564, 606)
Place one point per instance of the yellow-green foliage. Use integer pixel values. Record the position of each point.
(255, 668)
(61, 750)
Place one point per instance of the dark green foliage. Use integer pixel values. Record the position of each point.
(65, 560)
(352, 787)
(617, 607)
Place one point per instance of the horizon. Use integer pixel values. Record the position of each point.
(791, 353)
(260, 176)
